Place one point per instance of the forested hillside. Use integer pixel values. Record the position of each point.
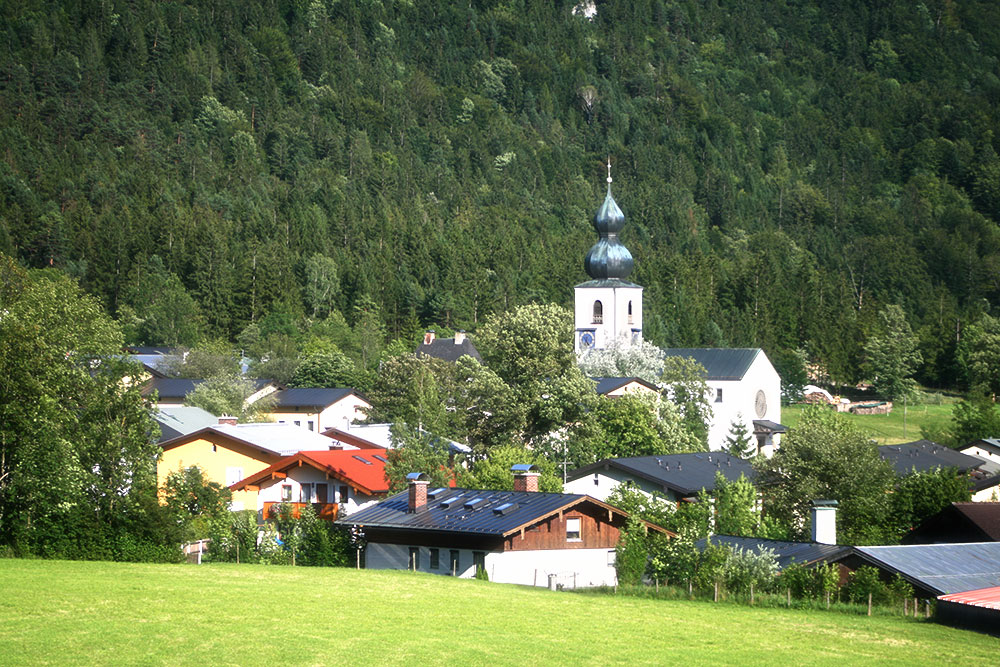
(787, 168)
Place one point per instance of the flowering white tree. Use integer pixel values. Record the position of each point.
(624, 358)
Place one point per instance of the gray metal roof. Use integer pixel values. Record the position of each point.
(721, 363)
(684, 474)
(786, 553)
(606, 385)
(940, 568)
(177, 421)
(923, 455)
(447, 349)
(447, 511)
(178, 388)
(310, 397)
(766, 425)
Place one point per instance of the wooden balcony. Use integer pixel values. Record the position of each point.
(327, 511)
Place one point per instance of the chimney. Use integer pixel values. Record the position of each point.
(417, 482)
(824, 521)
(525, 477)
(460, 337)
(429, 337)
(226, 419)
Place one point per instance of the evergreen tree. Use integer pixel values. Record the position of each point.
(738, 443)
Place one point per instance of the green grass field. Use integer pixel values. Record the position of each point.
(888, 429)
(58, 612)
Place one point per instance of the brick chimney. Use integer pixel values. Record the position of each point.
(525, 477)
(417, 482)
(460, 337)
(226, 419)
(824, 521)
(429, 337)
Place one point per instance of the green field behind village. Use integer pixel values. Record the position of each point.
(61, 612)
(900, 425)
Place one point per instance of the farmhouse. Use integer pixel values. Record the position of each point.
(924, 455)
(449, 349)
(317, 409)
(744, 386)
(988, 449)
(516, 537)
(672, 476)
(335, 482)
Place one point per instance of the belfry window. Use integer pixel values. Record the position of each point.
(630, 312)
(598, 312)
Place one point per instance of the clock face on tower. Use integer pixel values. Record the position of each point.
(760, 404)
(586, 339)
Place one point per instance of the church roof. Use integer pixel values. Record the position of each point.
(721, 363)
(608, 282)
(608, 258)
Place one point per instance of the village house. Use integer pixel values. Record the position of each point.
(615, 387)
(317, 409)
(335, 483)
(448, 349)
(959, 522)
(172, 392)
(674, 477)
(227, 452)
(516, 537)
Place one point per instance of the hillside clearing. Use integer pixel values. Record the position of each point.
(100, 613)
(890, 429)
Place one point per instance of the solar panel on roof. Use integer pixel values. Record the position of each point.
(363, 460)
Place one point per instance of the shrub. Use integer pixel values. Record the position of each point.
(866, 580)
(631, 553)
(744, 568)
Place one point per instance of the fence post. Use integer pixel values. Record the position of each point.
(657, 582)
(751, 594)
(927, 608)
(906, 607)
(869, 604)
(915, 607)
(828, 599)
(788, 597)
(716, 592)
(690, 590)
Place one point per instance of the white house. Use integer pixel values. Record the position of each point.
(335, 482)
(318, 409)
(744, 388)
(517, 537)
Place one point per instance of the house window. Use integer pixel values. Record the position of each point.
(233, 475)
(573, 530)
(611, 558)
(298, 422)
(414, 558)
(435, 559)
(718, 396)
(286, 493)
(479, 560)
(307, 494)
(598, 312)
(310, 425)
(342, 495)
(453, 557)
(597, 480)
(215, 448)
(630, 312)
(321, 493)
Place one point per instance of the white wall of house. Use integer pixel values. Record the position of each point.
(739, 398)
(600, 483)
(989, 495)
(983, 452)
(632, 387)
(615, 318)
(339, 415)
(580, 567)
(301, 475)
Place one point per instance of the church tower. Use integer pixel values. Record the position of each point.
(607, 306)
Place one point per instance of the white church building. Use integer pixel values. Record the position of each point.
(743, 384)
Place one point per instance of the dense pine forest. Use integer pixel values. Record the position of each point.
(264, 173)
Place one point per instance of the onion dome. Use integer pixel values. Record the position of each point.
(608, 258)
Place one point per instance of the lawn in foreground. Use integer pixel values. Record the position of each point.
(890, 429)
(112, 613)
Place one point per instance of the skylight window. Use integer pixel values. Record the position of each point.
(380, 458)
(435, 493)
(471, 505)
(363, 460)
(506, 508)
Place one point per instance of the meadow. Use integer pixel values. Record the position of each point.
(110, 613)
(890, 429)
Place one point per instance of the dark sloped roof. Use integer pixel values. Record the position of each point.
(721, 363)
(456, 511)
(181, 387)
(959, 522)
(310, 397)
(445, 348)
(940, 568)
(786, 553)
(685, 474)
(768, 426)
(606, 385)
(175, 422)
(985, 482)
(923, 455)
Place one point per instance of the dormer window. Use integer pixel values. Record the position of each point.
(598, 312)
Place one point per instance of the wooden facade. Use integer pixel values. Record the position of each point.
(599, 529)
